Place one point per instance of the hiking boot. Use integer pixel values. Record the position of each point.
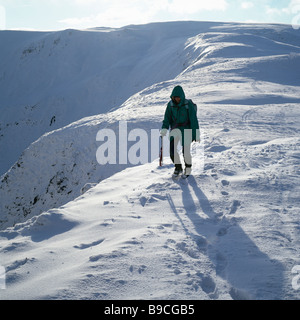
(187, 172)
(178, 170)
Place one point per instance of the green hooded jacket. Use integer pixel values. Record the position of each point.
(181, 116)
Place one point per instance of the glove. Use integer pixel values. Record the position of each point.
(163, 132)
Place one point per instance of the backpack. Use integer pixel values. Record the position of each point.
(186, 104)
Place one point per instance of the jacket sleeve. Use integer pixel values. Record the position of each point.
(194, 123)
(167, 118)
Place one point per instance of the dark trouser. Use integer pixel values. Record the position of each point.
(174, 155)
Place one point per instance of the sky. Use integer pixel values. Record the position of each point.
(82, 14)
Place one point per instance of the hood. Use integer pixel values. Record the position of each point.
(178, 92)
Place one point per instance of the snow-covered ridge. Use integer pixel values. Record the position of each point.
(230, 232)
(51, 79)
(209, 64)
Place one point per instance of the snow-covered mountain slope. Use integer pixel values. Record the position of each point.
(230, 65)
(51, 79)
(230, 232)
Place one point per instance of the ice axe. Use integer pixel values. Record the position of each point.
(161, 152)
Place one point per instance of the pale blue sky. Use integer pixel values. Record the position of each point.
(63, 14)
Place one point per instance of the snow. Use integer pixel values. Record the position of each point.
(51, 79)
(74, 229)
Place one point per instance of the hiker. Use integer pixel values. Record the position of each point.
(181, 117)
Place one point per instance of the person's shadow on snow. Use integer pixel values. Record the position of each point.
(250, 272)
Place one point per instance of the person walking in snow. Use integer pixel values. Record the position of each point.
(181, 117)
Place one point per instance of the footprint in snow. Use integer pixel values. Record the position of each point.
(207, 284)
(143, 201)
(225, 183)
(221, 264)
(141, 268)
(234, 206)
(222, 232)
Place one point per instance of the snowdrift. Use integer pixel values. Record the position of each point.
(229, 232)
